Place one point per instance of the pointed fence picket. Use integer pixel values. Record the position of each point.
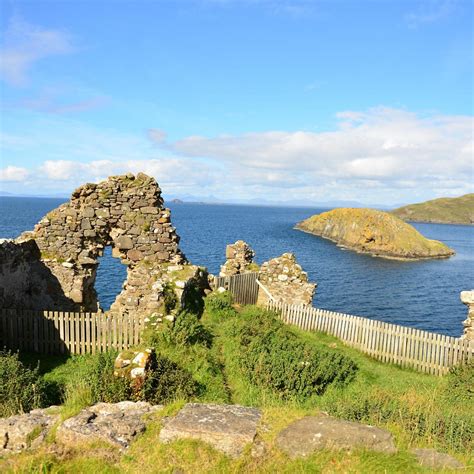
(424, 351)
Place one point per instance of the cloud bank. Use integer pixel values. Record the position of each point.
(380, 155)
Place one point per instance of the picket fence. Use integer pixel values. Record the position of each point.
(58, 332)
(421, 350)
(244, 287)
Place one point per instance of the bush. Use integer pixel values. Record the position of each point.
(105, 387)
(461, 382)
(273, 357)
(187, 330)
(21, 388)
(220, 304)
(167, 381)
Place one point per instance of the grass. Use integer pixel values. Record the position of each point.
(418, 409)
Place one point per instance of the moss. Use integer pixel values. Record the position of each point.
(52, 256)
(37, 430)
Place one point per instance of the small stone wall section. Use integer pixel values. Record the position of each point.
(467, 297)
(286, 281)
(239, 259)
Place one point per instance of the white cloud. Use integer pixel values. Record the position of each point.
(24, 44)
(13, 173)
(376, 156)
(156, 135)
(383, 144)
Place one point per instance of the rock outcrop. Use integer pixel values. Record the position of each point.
(285, 281)
(54, 266)
(115, 423)
(467, 297)
(228, 428)
(312, 433)
(239, 259)
(375, 232)
(21, 432)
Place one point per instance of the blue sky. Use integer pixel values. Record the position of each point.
(279, 100)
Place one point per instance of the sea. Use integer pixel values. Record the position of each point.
(421, 294)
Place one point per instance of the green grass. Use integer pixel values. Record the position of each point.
(419, 410)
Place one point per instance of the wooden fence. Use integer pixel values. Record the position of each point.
(244, 287)
(57, 332)
(421, 350)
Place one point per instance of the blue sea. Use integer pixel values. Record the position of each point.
(420, 294)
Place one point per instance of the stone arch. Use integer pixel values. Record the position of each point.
(126, 212)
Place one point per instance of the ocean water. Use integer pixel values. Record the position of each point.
(420, 294)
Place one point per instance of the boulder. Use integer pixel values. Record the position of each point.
(433, 459)
(115, 423)
(312, 433)
(21, 432)
(228, 428)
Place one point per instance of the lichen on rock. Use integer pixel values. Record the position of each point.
(375, 232)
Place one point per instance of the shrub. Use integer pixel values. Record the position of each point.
(273, 357)
(220, 304)
(168, 381)
(105, 387)
(21, 388)
(461, 382)
(187, 330)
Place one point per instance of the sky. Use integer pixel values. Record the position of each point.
(240, 100)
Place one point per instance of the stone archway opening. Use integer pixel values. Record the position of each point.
(110, 277)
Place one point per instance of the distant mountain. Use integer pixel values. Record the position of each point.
(458, 210)
(4, 193)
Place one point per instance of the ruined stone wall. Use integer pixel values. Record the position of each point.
(125, 212)
(25, 281)
(286, 281)
(239, 259)
(467, 297)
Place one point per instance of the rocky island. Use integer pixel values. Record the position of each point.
(458, 210)
(375, 232)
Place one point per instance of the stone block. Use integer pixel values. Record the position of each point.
(228, 428)
(124, 242)
(312, 433)
(88, 212)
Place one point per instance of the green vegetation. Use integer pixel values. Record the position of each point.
(458, 210)
(21, 388)
(246, 356)
(273, 357)
(375, 232)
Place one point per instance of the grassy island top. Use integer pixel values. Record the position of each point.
(376, 232)
(458, 210)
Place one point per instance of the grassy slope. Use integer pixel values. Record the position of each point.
(219, 371)
(444, 210)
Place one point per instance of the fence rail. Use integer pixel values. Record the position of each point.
(244, 287)
(57, 332)
(421, 350)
